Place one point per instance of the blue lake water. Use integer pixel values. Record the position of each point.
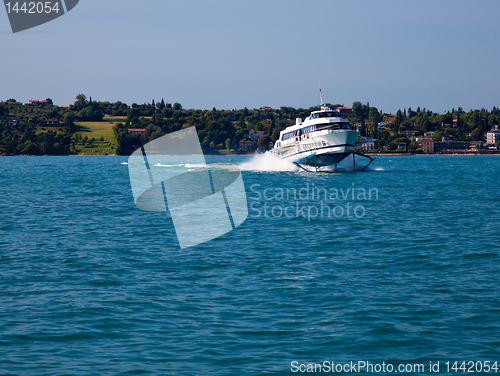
(90, 285)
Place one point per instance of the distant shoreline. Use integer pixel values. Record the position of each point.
(103, 128)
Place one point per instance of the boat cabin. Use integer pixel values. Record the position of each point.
(324, 114)
(324, 119)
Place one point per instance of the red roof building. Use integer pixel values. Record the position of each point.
(344, 110)
(39, 103)
(428, 145)
(246, 145)
(136, 131)
(11, 120)
(255, 135)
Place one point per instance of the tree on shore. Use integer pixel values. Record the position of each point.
(81, 99)
(69, 122)
(263, 142)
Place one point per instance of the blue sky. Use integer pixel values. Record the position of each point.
(231, 54)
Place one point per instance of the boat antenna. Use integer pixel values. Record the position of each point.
(320, 94)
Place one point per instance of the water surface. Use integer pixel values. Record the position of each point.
(91, 285)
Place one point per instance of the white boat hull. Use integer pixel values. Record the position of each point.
(327, 149)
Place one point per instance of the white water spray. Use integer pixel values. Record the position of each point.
(267, 162)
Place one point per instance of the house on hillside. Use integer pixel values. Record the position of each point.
(11, 120)
(39, 103)
(428, 145)
(344, 110)
(50, 122)
(368, 145)
(492, 137)
(402, 145)
(409, 133)
(136, 131)
(246, 145)
(255, 135)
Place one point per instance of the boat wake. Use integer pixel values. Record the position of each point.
(187, 165)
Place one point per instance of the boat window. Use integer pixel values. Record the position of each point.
(324, 114)
(288, 135)
(337, 126)
(308, 129)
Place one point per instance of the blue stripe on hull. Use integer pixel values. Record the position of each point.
(326, 159)
(323, 159)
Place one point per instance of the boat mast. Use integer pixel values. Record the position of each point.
(320, 94)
